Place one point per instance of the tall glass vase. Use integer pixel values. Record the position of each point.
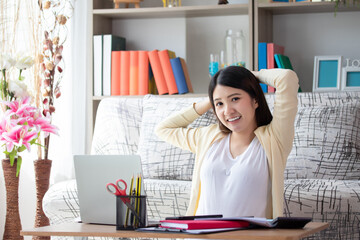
(12, 220)
(42, 170)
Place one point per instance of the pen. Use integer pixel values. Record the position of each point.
(194, 217)
(127, 211)
(137, 202)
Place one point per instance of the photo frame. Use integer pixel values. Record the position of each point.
(327, 73)
(350, 78)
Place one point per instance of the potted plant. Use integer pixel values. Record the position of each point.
(20, 126)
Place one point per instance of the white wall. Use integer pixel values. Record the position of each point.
(307, 35)
(205, 35)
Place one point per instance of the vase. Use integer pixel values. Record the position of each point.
(12, 220)
(42, 170)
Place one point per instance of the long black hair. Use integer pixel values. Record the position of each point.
(241, 78)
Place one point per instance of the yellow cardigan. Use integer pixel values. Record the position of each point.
(276, 138)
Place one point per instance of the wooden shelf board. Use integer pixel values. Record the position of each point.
(187, 95)
(304, 7)
(185, 11)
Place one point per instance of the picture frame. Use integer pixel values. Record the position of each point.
(350, 78)
(327, 73)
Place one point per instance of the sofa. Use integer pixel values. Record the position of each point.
(322, 176)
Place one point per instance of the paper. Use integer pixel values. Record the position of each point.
(173, 230)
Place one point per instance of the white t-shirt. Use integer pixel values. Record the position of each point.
(234, 187)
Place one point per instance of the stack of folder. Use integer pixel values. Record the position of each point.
(203, 224)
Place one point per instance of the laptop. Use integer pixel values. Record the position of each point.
(93, 172)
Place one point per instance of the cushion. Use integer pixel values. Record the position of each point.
(161, 160)
(166, 198)
(117, 126)
(332, 201)
(326, 143)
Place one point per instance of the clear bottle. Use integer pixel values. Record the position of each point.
(222, 59)
(239, 48)
(229, 48)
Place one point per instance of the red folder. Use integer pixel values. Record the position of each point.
(202, 224)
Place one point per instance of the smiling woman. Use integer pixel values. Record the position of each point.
(241, 160)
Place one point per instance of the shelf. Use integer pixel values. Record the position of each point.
(304, 7)
(187, 95)
(176, 12)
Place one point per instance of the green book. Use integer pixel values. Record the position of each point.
(283, 61)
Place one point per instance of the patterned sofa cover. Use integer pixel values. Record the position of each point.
(322, 173)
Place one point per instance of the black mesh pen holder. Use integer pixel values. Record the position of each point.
(130, 212)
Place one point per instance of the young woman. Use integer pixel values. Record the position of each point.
(240, 161)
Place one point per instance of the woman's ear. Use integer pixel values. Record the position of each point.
(256, 104)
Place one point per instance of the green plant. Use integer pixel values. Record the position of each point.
(347, 3)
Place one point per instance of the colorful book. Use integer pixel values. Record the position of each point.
(97, 72)
(115, 73)
(273, 49)
(202, 224)
(157, 72)
(284, 62)
(125, 73)
(143, 87)
(134, 73)
(262, 61)
(165, 56)
(186, 74)
(110, 43)
(179, 75)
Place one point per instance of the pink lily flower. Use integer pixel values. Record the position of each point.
(20, 107)
(18, 136)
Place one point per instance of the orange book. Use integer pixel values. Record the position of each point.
(115, 73)
(134, 73)
(143, 87)
(164, 57)
(158, 73)
(124, 72)
(187, 76)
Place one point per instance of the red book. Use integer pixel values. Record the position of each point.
(202, 224)
(143, 73)
(158, 73)
(115, 73)
(164, 57)
(272, 49)
(124, 73)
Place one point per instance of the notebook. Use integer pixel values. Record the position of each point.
(92, 173)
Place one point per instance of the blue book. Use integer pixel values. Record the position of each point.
(262, 56)
(179, 75)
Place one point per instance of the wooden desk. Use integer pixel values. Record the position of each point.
(82, 230)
